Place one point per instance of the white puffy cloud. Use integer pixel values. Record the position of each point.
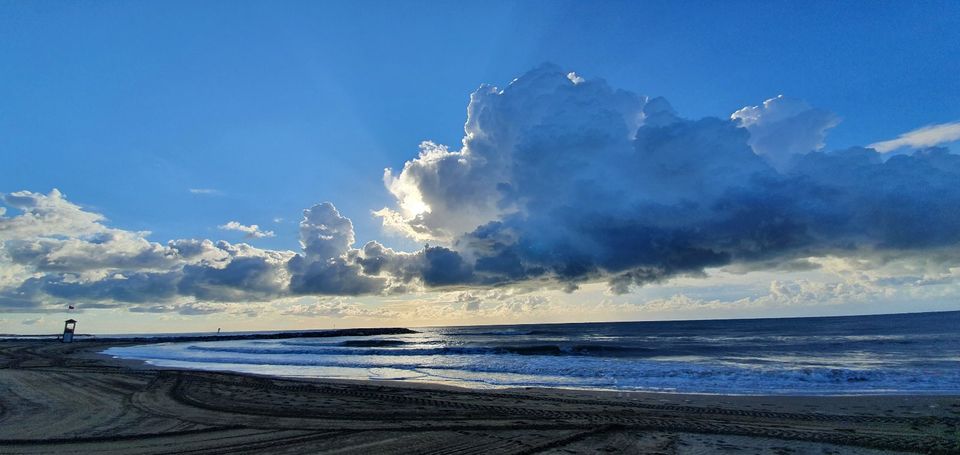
(927, 136)
(46, 216)
(252, 231)
(55, 251)
(538, 119)
(782, 128)
(324, 268)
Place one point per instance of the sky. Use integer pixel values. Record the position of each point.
(172, 166)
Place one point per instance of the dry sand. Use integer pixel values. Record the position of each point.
(66, 398)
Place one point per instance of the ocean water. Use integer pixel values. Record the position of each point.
(888, 354)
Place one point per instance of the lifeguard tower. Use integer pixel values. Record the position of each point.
(68, 329)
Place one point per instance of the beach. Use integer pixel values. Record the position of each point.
(70, 398)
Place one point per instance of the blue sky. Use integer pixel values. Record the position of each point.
(272, 107)
(124, 106)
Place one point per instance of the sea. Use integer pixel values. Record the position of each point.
(852, 355)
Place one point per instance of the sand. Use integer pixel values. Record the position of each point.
(67, 398)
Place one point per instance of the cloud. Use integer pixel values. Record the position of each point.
(560, 180)
(783, 128)
(323, 268)
(49, 215)
(55, 251)
(252, 231)
(848, 289)
(205, 191)
(492, 305)
(244, 274)
(927, 136)
(330, 265)
(335, 308)
(569, 181)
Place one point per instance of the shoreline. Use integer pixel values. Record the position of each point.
(464, 384)
(146, 364)
(72, 397)
(229, 336)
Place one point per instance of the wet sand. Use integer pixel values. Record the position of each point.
(67, 398)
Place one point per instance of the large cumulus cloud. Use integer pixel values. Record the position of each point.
(569, 180)
(559, 180)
